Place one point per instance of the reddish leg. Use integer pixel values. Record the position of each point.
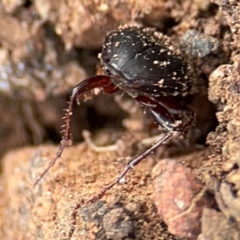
(130, 166)
(171, 116)
(168, 113)
(99, 81)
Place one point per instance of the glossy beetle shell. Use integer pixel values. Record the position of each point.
(142, 61)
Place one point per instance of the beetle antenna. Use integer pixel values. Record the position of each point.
(66, 138)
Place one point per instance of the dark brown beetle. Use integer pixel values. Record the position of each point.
(147, 66)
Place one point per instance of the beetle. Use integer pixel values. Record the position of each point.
(147, 66)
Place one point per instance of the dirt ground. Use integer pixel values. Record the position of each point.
(187, 189)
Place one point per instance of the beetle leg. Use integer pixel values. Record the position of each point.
(171, 116)
(83, 87)
(98, 81)
(131, 164)
(168, 113)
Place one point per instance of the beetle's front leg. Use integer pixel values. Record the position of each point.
(100, 81)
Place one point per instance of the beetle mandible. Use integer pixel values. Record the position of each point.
(147, 66)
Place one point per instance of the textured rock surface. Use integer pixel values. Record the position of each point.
(51, 211)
